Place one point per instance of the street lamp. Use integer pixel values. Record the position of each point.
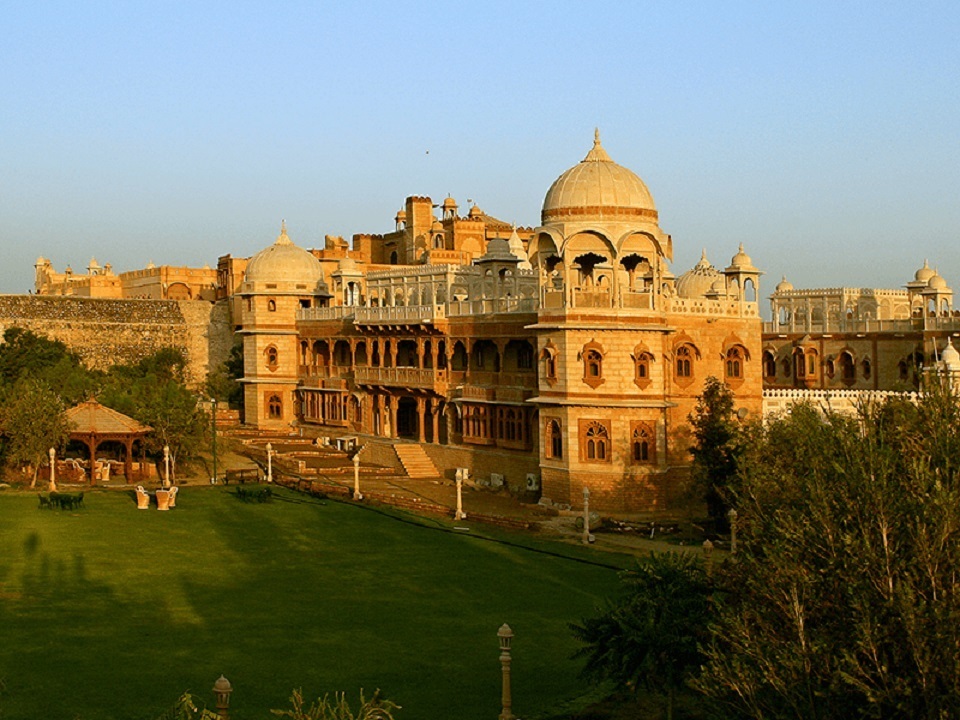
(356, 476)
(166, 466)
(505, 634)
(732, 517)
(586, 515)
(269, 463)
(213, 418)
(53, 470)
(222, 689)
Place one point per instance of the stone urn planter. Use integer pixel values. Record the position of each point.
(163, 499)
(173, 496)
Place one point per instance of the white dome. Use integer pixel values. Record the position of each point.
(598, 188)
(285, 265)
(698, 281)
(784, 285)
(924, 274)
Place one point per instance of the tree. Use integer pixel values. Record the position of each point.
(718, 448)
(153, 392)
(844, 600)
(32, 421)
(650, 635)
(222, 381)
(25, 353)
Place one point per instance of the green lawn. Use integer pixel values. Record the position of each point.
(111, 612)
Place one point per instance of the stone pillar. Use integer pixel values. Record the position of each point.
(435, 416)
(422, 419)
(393, 417)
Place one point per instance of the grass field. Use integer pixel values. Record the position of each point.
(111, 612)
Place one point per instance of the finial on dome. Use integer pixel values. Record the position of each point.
(283, 238)
(741, 247)
(597, 153)
(703, 255)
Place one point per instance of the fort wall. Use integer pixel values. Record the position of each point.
(106, 332)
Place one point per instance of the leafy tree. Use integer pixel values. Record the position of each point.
(717, 449)
(650, 635)
(24, 352)
(222, 380)
(32, 421)
(153, 392)
(844, 600)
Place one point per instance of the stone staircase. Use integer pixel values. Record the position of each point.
(416, 462)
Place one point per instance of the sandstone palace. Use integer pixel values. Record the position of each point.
(567, 355)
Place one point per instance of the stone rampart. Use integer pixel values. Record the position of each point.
(107, 332)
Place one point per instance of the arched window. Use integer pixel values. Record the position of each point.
(272, 305)
(595, 442)
(769, 365)
(642, 445)
(553, 448)
(684, 361)
(734, 363)
(867, 369)
(274, 407)
(592, 364)
(848, 369)
(548, 357)
(273, 357)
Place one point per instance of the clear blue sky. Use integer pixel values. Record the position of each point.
(824, 136)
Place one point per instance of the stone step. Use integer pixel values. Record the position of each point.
(416, 463)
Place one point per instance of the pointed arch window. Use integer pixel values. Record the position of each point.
(274, 407)
(769, 365)
(643, 448)
(594, 441)
(642, 362)
(734, 363)
(592, 356)
(685, 361)
(553, 447)
(273, 357)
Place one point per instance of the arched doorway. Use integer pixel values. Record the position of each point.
(408, 421)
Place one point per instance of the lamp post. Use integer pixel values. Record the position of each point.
(708, 556)
(506, 701)
(166, 466)
(213, 418)
(356, 476)
(460, 514)
(732, 517)
(53, 469)
(269, 463)
(222, 689)
(586, 516)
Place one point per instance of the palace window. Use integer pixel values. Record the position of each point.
(592, 355)
(272, 305)
(553, 447)
(642, 444)
(848, 369)
(274, 407)
(734, 363)
(684, 361)
(867, 369)
(769, 365)
(594, 441)
(548, 356)
(273, 357)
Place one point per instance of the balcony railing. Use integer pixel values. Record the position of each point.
(400, 376)
(400, 314)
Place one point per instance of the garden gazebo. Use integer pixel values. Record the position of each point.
(92, 424)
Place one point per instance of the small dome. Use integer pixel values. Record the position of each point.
(784, 285)
(741, 261)
(347, 263)
(475, 212)
(950, 357)
(924, 274)
(449, 202)
(401, 215)
(437, 226)
(597, 187)
(937, 282)
(284, 264)
(498, 249)
(697, 282)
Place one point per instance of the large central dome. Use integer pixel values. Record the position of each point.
(598, 188)
(284, 266)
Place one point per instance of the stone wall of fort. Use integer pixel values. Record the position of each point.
(107, 332)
